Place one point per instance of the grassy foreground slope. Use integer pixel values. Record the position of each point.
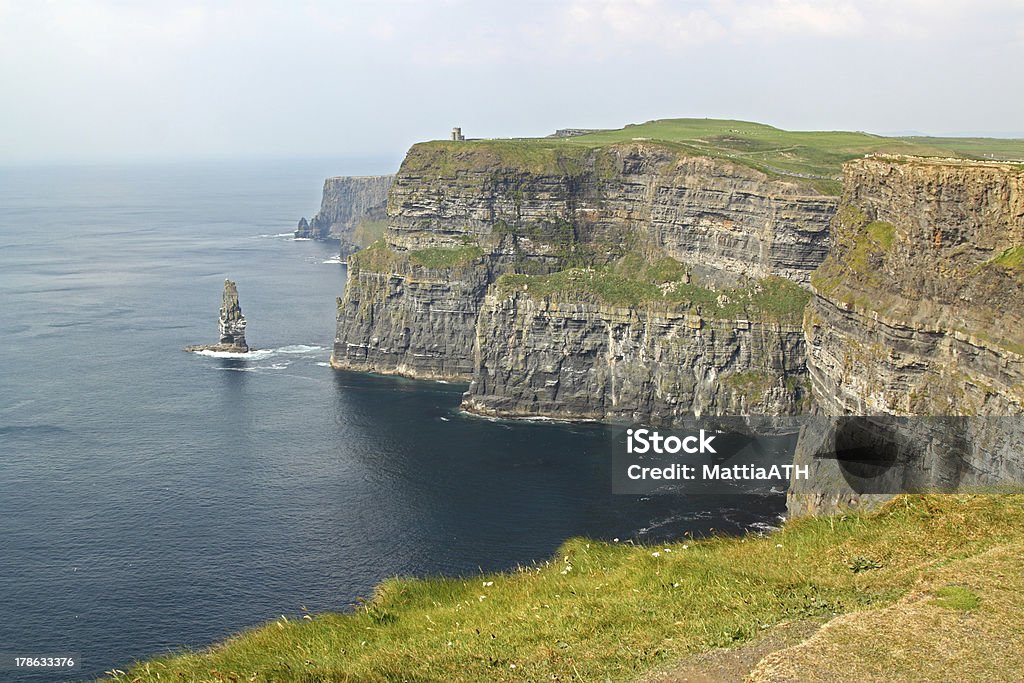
(602, 611)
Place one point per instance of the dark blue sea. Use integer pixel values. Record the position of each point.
(152, 499)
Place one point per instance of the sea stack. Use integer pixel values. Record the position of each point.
(232, 325)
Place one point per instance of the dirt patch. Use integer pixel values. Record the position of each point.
(732, 665)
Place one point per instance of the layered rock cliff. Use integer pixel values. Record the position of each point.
(917, 313)
(550, 203)
(352, 211)
(572, 358)
(473, 225)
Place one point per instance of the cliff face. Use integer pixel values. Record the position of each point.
(406, 319)
(731, 219)
(465, 218)
(632, 281)
(655, 365)
(349, 207)
(918, 312)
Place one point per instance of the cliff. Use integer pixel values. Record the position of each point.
(692, 241)
(916, 320)
(352, 210)
(405, 314)
(566, 357)
(549, 203)
(641, 280)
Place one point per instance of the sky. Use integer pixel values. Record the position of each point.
(107, 81)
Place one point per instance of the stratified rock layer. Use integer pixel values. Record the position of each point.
(348, 203)
(709, 212)
(919, 311)
(231, 325)
(409, 320)
(650, 364)
(461, 215)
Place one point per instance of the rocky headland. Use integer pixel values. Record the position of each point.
(353, 210)
(231, 325)
(649, 280)
(627, 280)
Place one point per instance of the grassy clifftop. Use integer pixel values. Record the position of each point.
(809, 157)
(600, 611)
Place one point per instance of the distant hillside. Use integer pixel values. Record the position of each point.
(814, 155)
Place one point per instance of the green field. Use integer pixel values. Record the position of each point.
(808, 152)
(614, 611)
(810, 155)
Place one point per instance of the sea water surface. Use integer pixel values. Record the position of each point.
(152, 499)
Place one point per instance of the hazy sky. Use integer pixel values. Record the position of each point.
(104, 80)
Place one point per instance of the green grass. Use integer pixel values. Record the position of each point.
(634, 281)
(858, 251)
(368, 231)
(881, 233)
(957, 597)
(811, 158)
(377, 257)
(750, 383)
(445, 257)
(380, 258)
(1010, 259)
(609, 611)
(961, 622)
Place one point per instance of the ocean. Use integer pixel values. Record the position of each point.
(153, 500)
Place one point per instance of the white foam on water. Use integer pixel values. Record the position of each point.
(259, 354)
(302, 239)
(333, 259)
(258, 368)
(324, 365)
(299, 348)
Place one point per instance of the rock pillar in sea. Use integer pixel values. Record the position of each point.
(232, 322)
(232, 325)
